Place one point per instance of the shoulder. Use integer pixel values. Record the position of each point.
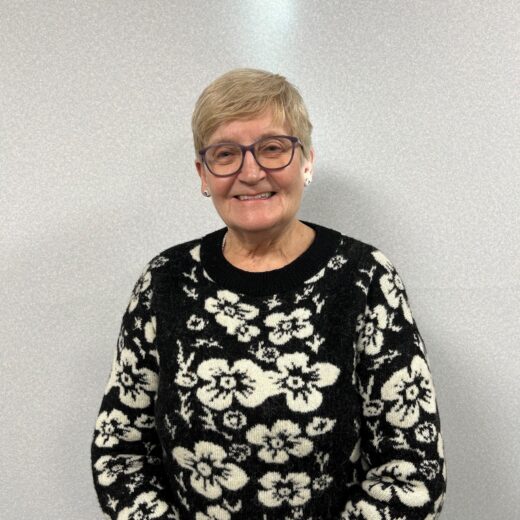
(175, 259)
(364, 258)
(356, 250)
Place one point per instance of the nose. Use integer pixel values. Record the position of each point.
(251, 171)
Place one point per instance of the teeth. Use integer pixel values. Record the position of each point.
(261, 196)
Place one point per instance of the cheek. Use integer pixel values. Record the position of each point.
(221, 187)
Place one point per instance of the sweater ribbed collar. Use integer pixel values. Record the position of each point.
(275, 281)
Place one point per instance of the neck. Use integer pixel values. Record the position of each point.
(267, 249)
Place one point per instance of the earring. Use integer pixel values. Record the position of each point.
(206, 193)
(308, 180)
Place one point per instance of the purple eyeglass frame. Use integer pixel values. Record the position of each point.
(294, 140)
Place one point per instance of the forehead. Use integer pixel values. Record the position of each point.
(245, 131)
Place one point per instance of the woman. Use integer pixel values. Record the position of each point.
(271, 369)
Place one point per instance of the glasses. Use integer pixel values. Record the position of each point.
(271, 153)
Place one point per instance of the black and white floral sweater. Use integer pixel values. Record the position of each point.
(302, 393)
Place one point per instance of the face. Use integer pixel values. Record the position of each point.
(274, 213)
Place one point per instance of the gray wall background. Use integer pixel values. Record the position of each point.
(416, 112)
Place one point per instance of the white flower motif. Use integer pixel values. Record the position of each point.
(146, 506)
(429, 468)
(392, 286)
(322, 482)
(412, 389)
(285, 326)
(319, 426)
(336, 262)
(370, 325)
(230, 313)
(239, 452)
(133, 383)
(195, 322)
(282, 440)
(300, 382)
(140, 287)
(110, 467)
(292, 489)
(244, 381)
(214, 513)
(209, 472)
(234, 419)
(393, 480)
(266, 353)
(363, 510)
(426, 432)
(114, 427)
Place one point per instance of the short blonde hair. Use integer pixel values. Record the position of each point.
(245, 94)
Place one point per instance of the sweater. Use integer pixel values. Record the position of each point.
(300, 393)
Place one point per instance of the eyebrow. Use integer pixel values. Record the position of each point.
(261, 136)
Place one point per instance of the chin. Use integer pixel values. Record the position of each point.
(257, 225)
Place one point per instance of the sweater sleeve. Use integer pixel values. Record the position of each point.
(401, 448)
(126, 453)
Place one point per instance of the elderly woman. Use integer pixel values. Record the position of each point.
(271, 369)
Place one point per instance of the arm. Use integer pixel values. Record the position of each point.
(401, 444)
(126, 452)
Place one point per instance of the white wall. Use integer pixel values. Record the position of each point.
(416, 112)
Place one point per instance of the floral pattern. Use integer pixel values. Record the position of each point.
(426, 432)
(279, 442)
(214, 513)
(293, 489)
(362, 510)
(285, 327)
(110, 467)
(234, 419)
(371, 326)
(114, 427)
(133, 383)
(393, 479)
(140, 287)
(251, 389)
(300, 382)
(411, 390)
(146, 506)
(393, 287)
(319, 426)
(209, 472)
(336, 262)
(195, 323)
(322, 482)
(244, 382)
(233, 315)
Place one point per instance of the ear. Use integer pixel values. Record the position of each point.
(309, 163)
(202, 173)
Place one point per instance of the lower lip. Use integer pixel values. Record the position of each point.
(256, 200)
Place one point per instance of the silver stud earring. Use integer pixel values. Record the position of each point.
(206, 193)
(308, 180)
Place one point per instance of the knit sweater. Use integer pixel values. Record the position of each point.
(301, 393)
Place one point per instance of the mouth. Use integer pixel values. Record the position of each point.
(260, 196)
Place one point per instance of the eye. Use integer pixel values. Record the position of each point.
(273, 145)
(223, 153)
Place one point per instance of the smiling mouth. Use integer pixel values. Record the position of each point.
(261, 196)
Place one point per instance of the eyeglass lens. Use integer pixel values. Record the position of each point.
(270, 153)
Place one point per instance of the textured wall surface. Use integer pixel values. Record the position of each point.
(416, 112)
